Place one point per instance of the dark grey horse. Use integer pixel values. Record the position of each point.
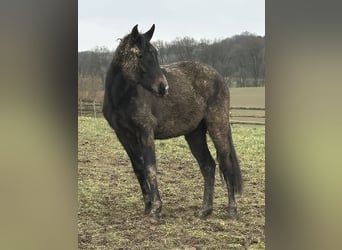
(144, 101)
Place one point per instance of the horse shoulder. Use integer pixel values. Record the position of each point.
(141, 112)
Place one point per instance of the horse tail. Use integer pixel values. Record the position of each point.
(236, 176)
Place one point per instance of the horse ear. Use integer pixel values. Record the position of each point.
(135, 32)
(148, 35)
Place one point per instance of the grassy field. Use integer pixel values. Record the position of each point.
(111, 208)
(248, 97)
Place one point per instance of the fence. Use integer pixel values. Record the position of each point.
(89, 108)
(239, 115)
(248, 115)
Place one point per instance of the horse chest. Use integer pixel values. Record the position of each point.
(135, 117)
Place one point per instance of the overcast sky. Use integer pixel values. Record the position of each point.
(102, 22)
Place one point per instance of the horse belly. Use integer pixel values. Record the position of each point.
(177, 125)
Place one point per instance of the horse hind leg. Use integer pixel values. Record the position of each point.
(199, 148)
(220, 133)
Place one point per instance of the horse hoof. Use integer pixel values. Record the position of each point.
(232, 213)
(153, 219)
(205, 213)
(150, 220)
(154, 215)
(148, 209)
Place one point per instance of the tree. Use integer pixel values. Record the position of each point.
(103, 61)
(239, 58)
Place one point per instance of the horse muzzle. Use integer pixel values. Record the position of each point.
(161, 86)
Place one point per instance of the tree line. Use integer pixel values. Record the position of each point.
(240, 59)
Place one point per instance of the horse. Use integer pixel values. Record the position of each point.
(144, 101)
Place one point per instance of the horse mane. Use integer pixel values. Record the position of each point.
(119, 79)
(122, 48)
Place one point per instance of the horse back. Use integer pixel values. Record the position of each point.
(194, 89)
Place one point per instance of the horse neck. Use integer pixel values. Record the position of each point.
(119, 89)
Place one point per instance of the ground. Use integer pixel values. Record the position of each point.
(111, 214)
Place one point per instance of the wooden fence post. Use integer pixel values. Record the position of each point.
(94, 108)
(81, 107)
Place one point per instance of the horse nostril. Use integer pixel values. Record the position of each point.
(162, 89)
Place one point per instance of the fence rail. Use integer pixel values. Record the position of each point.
(248, 115)
(239, 115)
(247, 108)
(89, 108)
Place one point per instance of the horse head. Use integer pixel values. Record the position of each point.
(140, 61)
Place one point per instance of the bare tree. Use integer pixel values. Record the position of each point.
(103, 60)
(239, 58)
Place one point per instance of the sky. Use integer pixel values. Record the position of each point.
(103, 22)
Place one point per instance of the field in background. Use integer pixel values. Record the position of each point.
(248, 97)
(240, 97)
(111, 208)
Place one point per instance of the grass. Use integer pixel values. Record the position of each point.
(111, 208)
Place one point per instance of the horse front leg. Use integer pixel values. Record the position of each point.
(134, 151)
(140, 174)
(149, 156)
